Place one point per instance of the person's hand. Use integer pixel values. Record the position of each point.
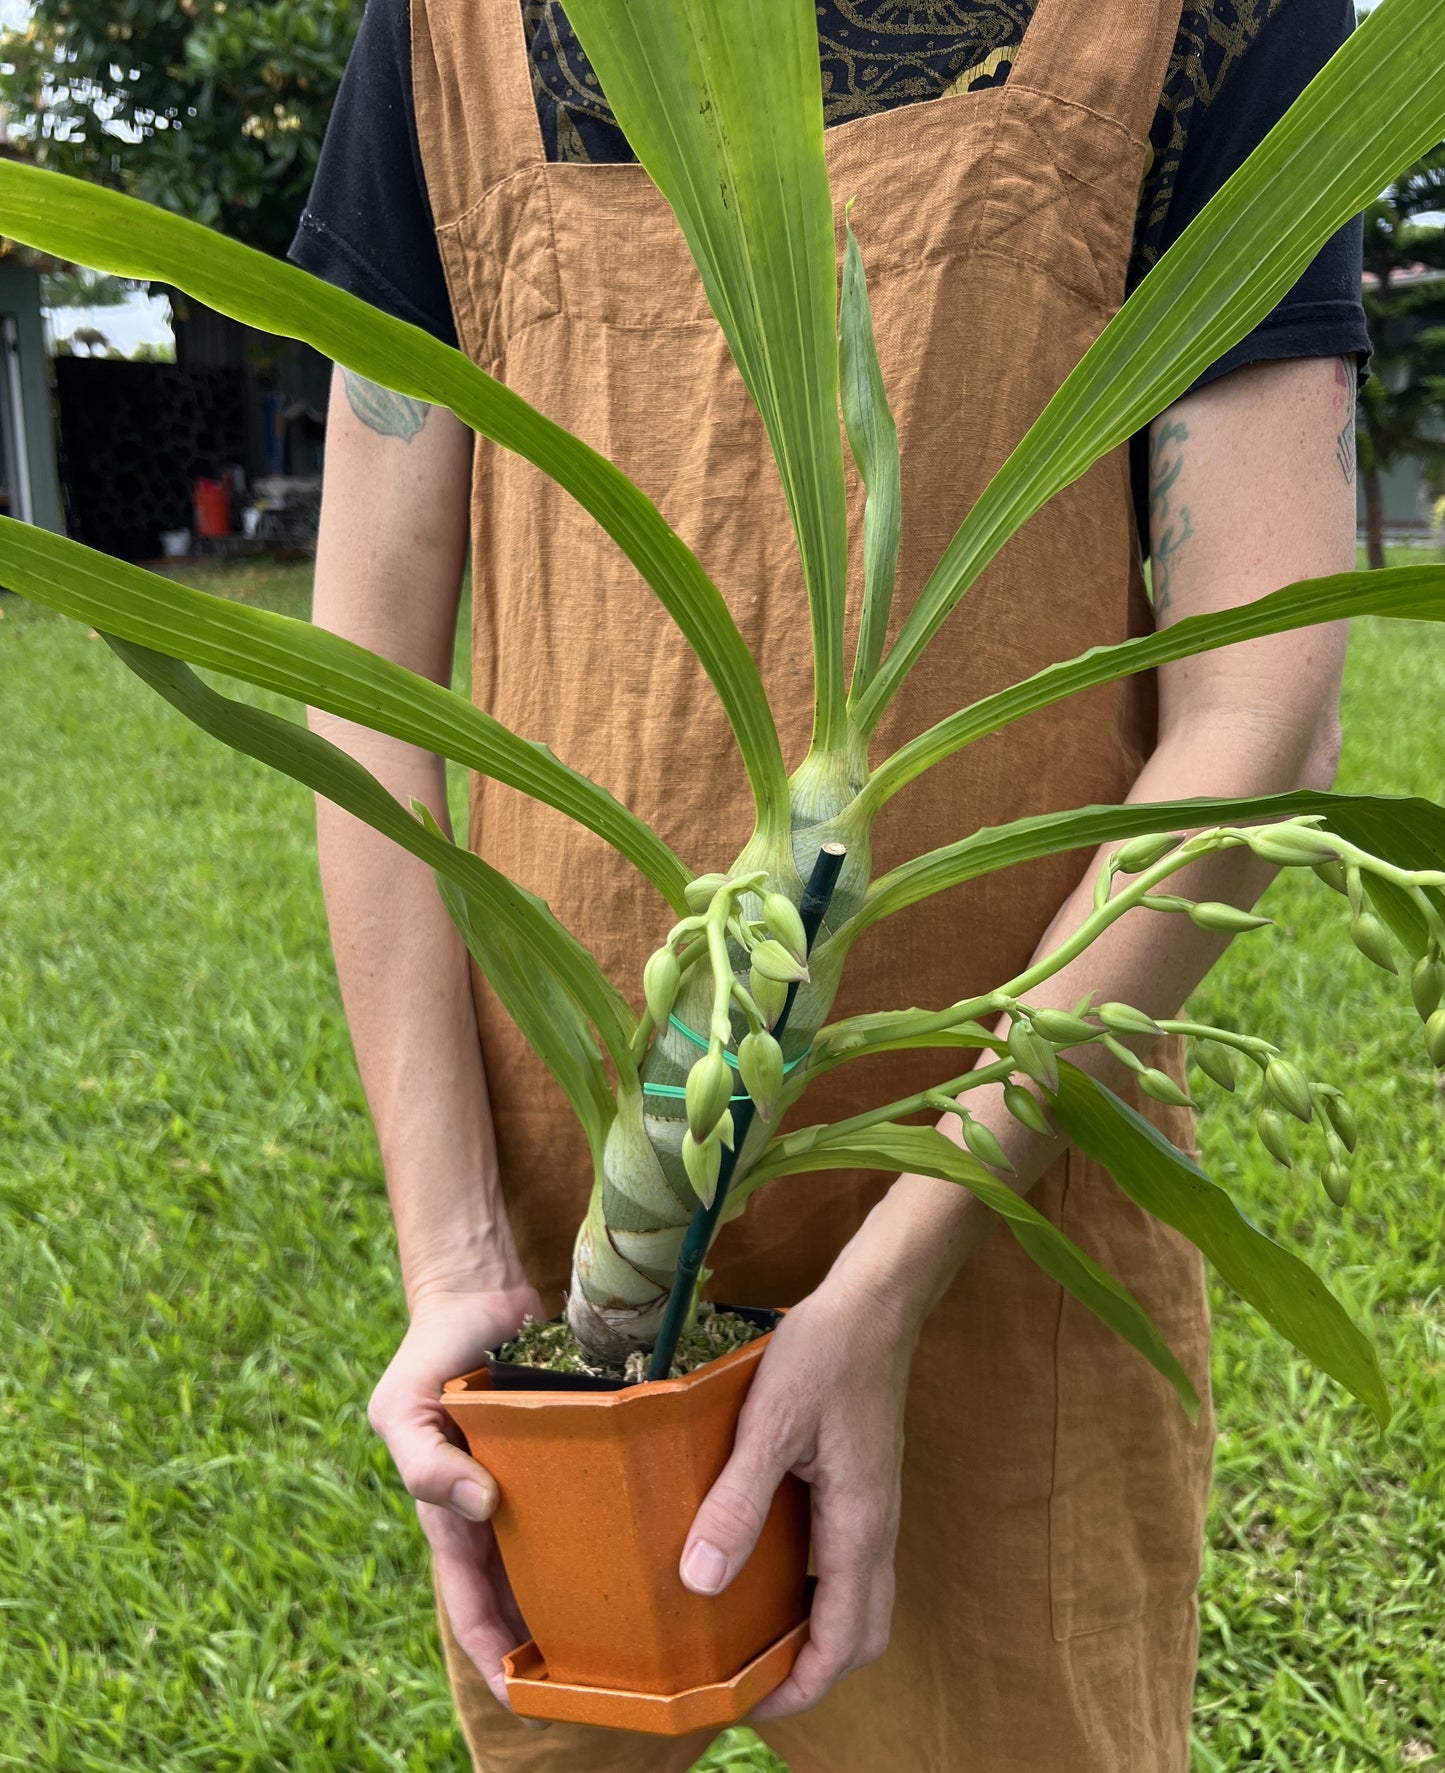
(455, 1497)
(827, 1404)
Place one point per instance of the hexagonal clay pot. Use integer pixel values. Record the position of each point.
(598, 1490)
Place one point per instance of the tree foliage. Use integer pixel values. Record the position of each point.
(210, 108)
(1402, 406)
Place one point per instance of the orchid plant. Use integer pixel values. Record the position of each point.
(720, 101)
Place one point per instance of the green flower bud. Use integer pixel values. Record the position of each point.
(1062, 1029)
(703, 1163)
(760, 1066)
(1368, 935)
(1034, 1057)
(1215, 1060)
(660, 979)
(709, 1088)
(700, 893)
(785, 922)
(1336, 1179)
(1286, 1083)
(773, 959)
(1209, 914)
(1274, 1136)
(1163, 1088)
(1125, 1055)
(984, 1146)
(1026, 1108)
(1166, 902)
(1427, 985)
(1333, 875)
(1144, 851)
(770, 995)
(1339, 1116)
(1123, 1018)
(1435, 1039)
(1291, 846)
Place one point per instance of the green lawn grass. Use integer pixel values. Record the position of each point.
(207, 1564)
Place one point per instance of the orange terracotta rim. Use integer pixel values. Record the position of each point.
(712, 1707)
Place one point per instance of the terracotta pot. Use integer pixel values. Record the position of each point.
(598, 1490)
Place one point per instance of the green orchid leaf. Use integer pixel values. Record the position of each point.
(873, 438)
(722, 102)
(320, 668)
(1374, 109)
(549, 983)
(114, 233)
(1412, 592)
(1287, 1294)
(888, 1146)
(1405, 830)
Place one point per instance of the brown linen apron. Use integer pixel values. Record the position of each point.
(1053, 1490)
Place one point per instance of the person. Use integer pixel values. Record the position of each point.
(998, 1482)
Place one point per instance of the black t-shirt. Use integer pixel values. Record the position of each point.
(1236, 68)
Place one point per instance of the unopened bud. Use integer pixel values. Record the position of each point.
(1368, 935)
(1214, 1059)
(984, 1146)
(1123, 1018)
(700, 893)
(1336, 1179)
(1286, 1083)
(1435, 1039)
(703, 1163)
(1290, 846)
(1144, 851)
(1034, 1057)
(1061, 1028)
(1333, 875)
(773, 959)
(1209, 914)
(1163, 1088)
(1026, 1109)
(771, 995)
(1427, 985)
(709, 1089)
(760, 1066)
(660, 979)
(786, 923)
(1341, 1117)
(1274, 1136)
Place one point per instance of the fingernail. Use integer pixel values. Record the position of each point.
(704, 1567)
(471, 1499)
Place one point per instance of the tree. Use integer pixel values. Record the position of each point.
(1402, 405)
(212, 109)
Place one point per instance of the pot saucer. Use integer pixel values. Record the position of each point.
(712, 1707)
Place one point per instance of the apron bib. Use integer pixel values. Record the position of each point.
(1053, 1489)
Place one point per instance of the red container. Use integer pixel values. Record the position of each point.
(211, 507)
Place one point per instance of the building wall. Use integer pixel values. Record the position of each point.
(20, 297)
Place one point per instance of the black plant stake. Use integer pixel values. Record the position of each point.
(813, 909)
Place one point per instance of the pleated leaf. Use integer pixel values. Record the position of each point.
(1413, 592)
(721, 101)
(888, 1146)
(75, 220)
(320, 668)
(1375, 108)
(1287, 1294)
(1405, 830)
(549, 983)
(873, 439)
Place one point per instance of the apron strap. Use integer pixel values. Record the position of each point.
(1108, 55)
(475, 112)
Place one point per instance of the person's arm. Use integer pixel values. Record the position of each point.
(1252, 484)
(389, 565)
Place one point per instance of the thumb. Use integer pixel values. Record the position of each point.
(434, 1470)
(725, 1528)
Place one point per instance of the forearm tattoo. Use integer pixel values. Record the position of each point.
(382, 410)
(1348, 384)
(1169, 529)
